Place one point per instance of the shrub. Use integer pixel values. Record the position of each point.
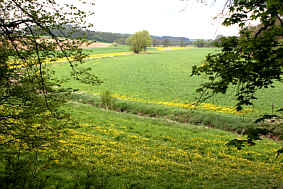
(21, 174)
(107, 101)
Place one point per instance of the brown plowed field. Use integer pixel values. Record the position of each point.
(84, 46)
(96, 45)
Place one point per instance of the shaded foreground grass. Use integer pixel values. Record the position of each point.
(126, 151)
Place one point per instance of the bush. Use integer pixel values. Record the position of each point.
(107, 101)
(21, 174)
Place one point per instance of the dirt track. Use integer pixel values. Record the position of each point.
(96, 45)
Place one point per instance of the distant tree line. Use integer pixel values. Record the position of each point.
(121, 39)
(205, 43)
(156, 40)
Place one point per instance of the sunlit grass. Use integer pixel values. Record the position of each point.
(166, 154)
(163, 76)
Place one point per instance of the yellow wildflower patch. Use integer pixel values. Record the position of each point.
(20, 64)
(202, 106)
(134, 153)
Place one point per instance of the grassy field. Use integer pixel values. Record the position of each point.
(164, 146)
(161, 77)
(126, 151)
(111, 49)
(118, 150)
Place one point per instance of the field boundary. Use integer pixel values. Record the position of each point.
(227, 122)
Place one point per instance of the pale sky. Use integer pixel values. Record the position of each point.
(178, 18)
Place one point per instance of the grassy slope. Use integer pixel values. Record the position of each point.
(162, 76)
(127, 151)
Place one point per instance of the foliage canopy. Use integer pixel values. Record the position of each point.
(250, 62)
(139, 41)
(30, 97)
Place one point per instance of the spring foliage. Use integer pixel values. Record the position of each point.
(139, 41)
(30, 97)
(249, 62)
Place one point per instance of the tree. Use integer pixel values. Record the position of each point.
(29, 94)
(217, 41)
(155, 43)
(166, 42)
(139, 41)
(199, 43)
(182, 43)
(121, 41)
(250, 62)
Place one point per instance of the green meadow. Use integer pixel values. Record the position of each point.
(79, 110)
(121, 151)
(157, 148)
(162, 76)
(111, 49)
